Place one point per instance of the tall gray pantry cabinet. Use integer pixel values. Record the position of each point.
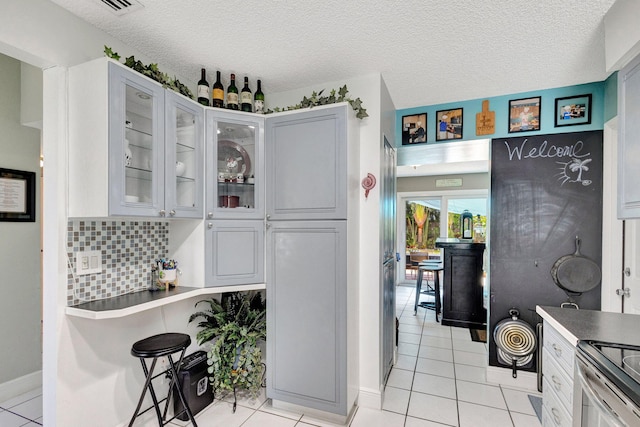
(313, 183)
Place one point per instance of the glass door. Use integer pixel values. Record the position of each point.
(234, 166)
(422, 218)
(184, 158)
(136, 144)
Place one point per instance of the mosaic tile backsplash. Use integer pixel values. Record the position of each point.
(128, 250)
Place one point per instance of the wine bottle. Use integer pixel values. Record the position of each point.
(232, 94)
(217, 98)
(203, 89)
(245, 97)
(258, 99)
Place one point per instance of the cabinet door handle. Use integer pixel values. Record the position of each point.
(210, 215)
(210, 225)
(558, 350)
(627, 272)
(556, 415)
(557, 384)
(268, 226)
(172, 212)
(268, 217)
(163, 212)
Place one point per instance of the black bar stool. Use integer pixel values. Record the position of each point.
(434, 267)
(159, 346)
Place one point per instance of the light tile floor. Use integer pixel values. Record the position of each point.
(23, 410)
(438, 380)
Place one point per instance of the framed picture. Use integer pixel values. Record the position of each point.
(414, 129)
(524, 114)
(449, 124)
(17, 195)
(573, 110)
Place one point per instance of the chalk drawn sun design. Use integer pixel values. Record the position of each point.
(572, 170)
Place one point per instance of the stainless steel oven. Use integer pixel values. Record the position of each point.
(606, 385)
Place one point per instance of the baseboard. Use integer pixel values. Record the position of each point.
(370, 398)
(20, 385)
(314, 414)
(503, 376)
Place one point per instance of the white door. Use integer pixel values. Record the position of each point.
(632, 265)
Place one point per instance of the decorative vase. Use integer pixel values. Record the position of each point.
(127, 153)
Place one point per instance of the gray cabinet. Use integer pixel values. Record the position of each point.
(307, 315)
(234, 229)
(135, 149)
(629, 140)
(312, 158)
(234, 251)
(235, 165)
(307, 164)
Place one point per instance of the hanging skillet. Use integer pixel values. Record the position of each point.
(575, 274)
(516, 341)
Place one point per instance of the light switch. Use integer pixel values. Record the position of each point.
(88, 262)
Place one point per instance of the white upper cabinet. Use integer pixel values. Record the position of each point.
(629, 140)
(135, 149)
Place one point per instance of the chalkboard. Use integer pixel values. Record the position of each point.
(545, 191)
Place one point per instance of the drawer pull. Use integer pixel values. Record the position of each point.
(557, 384)
(556, 416)
(557, 349)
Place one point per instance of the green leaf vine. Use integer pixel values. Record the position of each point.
(152, 72)
(316, 99)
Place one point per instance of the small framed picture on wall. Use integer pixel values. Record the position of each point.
(449, 124)
(573, 110)
(414, 129)
(17, 195)
(524, 114)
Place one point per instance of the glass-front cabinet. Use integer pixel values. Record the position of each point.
(235, 159)
(184, 157)
(156, 149)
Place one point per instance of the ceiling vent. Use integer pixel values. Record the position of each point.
(121, 7)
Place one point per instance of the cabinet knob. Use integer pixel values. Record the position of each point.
(556, 415)
(627, 272)
(623, 292)
(557, 384)
(210, 215)
(268, 217)
(210, 225)
(172, 212)
(557, 349)
(268, 226)
(163, 212)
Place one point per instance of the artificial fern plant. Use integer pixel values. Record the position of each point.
(234, 325)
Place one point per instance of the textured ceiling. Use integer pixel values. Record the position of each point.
(428, 52)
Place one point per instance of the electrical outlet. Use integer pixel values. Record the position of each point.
(88, 262)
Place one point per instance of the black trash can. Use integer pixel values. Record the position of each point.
(194, 380)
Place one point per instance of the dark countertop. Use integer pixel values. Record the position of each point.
(593, 325)
(132, 299)
(128, 304)
(460, 245)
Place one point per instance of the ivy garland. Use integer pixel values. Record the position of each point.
(152, 72)
(317, 99)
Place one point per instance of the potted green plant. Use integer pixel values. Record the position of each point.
(234, 326)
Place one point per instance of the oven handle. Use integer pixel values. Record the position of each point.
(586, 381)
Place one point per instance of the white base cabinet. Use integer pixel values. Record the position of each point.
(558, 357)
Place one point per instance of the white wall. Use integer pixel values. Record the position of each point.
(20, 311)
(42, 34)
(621, 34)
